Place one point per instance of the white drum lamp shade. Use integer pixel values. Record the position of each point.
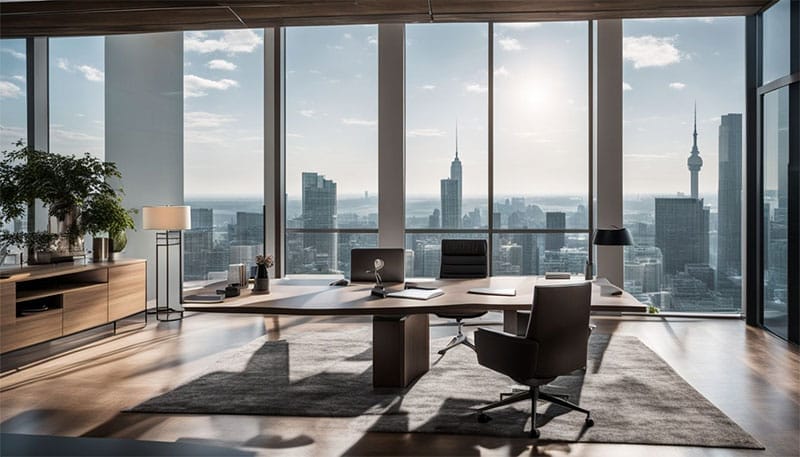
(166, 218)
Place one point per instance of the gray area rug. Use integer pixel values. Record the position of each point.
(634, 396)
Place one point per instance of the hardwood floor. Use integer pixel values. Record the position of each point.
(749, 374)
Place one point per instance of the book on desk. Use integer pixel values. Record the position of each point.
(416, 294)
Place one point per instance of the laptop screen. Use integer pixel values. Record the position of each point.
(362, 264)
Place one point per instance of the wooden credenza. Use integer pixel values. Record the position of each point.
(44, 302)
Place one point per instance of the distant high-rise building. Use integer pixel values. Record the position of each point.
(729, 230)
(249, 230)
(433, 219)
(555, 241)
(319, 211)
(695, 162)
(681, 232)
(202, 218)
(451, 193)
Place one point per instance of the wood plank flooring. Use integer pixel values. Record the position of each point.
(749, 374)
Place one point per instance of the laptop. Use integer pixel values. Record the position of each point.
(362, 264)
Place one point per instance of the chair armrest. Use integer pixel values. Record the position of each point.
(514, 356)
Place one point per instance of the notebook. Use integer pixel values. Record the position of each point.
(493, 291)
(417, 294)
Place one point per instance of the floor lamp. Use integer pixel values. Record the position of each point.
(169, 221)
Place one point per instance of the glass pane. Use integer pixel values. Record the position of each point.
(541, 125)
(446, 126)
(683, 95)
(776, 40)
(424, 252)
(332, 128)
(516, 254)
(308, 253)
(13, 121)
(77, 96)
(776, 196)
(223, 87)
(13, 90)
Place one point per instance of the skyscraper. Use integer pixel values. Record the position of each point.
(555, 241)
(319, 211)
(729, 233)
(451, 193)
(681, 232)
(695, 162)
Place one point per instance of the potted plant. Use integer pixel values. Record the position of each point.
(261, 285)
(104, 217)
(64, 184)
(41, 244)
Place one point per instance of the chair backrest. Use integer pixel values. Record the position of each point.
(559, 323)
(464, 259)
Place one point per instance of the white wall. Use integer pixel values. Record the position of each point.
(144, 129)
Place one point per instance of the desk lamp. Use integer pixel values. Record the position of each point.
(614, 236)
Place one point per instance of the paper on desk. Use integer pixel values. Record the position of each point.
(416, 294)
(606, 288)
(493, 291)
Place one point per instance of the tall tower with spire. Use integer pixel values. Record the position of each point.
(695, 162)
(451, 193)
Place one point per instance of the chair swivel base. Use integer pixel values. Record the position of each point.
(533, 395)
(458, 339)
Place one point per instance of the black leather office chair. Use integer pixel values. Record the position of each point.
(462, 259)
(555, 344)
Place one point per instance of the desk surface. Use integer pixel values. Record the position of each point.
(315, 297)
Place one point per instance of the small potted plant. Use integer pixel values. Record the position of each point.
(262, 274)
(105, 215)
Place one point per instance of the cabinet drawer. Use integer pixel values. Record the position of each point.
(32, 329)
(85, 308)
(127, 290)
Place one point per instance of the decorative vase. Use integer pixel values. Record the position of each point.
(262, 280)
(99, 249)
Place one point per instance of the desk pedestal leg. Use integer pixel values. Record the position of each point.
(400, 349)
(516, 322)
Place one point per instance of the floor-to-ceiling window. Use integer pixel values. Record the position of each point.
(13, 118)
(541, 173)
(778, 100)
(77, 95)
(446, 139)
(331, 138)
(223, 88)
(683, 99)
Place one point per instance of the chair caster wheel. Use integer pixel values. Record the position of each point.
(484, 418)
(589, 422)
(535, 434)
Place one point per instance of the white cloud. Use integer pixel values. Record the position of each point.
(373, 40)
(425, 132)
(10, 90)
(63, 64)
(294, 135)
(91, 73)
(195, 86)
(14, 54)
(348, 36)
(356, 121)
(231, 41)
(307, 112)
(677, 85)
(220, 64)
(71, 135)
(626, 87)
(205, 120)
(19, 78)
(649, 51)
(428, 87)
(502, 71)
(510, 44)
(475, 88)
(519, 25)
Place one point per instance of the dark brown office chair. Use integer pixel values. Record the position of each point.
(555, 344)
(462, 259)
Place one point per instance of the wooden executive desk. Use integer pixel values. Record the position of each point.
(400, 331)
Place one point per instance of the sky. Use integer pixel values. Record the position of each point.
(331, 104)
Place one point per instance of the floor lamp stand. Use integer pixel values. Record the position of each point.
(167, 240)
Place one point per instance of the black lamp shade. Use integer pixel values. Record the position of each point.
(613, 237)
